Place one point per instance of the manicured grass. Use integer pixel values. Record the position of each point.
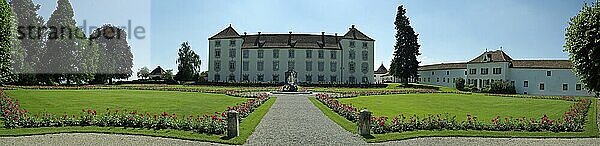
(484, 107)
(247, 127)
(72, 101)
(590, 130)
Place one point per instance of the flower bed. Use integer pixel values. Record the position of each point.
(572, 120)
(16, 117)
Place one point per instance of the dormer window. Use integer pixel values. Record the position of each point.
(488, 57)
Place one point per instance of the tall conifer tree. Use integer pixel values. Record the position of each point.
(404, 64)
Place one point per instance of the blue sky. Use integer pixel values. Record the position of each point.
(449, 31)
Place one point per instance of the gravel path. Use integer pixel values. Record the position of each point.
(77, 139)
(294, 120)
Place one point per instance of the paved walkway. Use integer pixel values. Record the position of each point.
(294, 120)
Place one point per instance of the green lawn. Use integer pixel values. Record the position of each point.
(186, 103)
(386, 107)
(72, 101)
(484, 107)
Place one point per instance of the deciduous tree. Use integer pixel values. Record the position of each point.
(583, 45)
(188, 64)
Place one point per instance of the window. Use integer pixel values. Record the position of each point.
(275, 78)
(308, 78)
(364, 67)
(245, 53)
(443, 79)
(231, 66)
(365, 80)
(260, 65)
(333, 54)
(365, 55)
(232, 43)
(245, 77)
(428, 79)
(291, 65)
(484, 71)
(525, 83)
(548, 73)
(432, 73)
(308, 65)
(308, 53)
(512, 83)
(472, 71)
(333, 66)
(321, 54)
(231, 53)
(332, 79)
(351, 67)
(291, 53)
(352, 79)
(321, 66)
(365, 45)
(542, 86)
(497, 71)
(218, 66)
(565, 87)
(321, 78)
(260, 77)
(577, 87)
(261, 53)
(217, 77)
(275, 53)
(465, 72)
(438, 80)
(352, 44)
(231, 78)
(351, 55)
(245, 65)
(217, 53)
(447, 72)
(275, 65)
(218, 43)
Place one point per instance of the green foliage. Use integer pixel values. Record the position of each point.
(404, 64)
(31, 44)
(188, 64)
(6, 25)
(114, 53)
(69, 55)
(144, 72)
(460, 84)
(500, 87)
(583, 44)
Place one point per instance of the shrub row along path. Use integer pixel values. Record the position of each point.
(294, 120)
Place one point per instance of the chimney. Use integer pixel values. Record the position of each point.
(336, 37)
(245, 33)
(353, 32)
(257, 39)
(323, 37)
(290, 39)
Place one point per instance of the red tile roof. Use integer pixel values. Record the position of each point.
(461, 65)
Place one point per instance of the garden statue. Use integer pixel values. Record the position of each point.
(290, 82)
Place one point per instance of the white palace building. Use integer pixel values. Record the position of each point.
(537, 77)
(315, 58)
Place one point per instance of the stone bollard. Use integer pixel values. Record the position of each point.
(233, 122)
(364, 122)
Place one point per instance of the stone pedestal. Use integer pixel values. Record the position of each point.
(233, 122)
(364, 122)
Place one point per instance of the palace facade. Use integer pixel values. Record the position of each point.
(266, 57)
